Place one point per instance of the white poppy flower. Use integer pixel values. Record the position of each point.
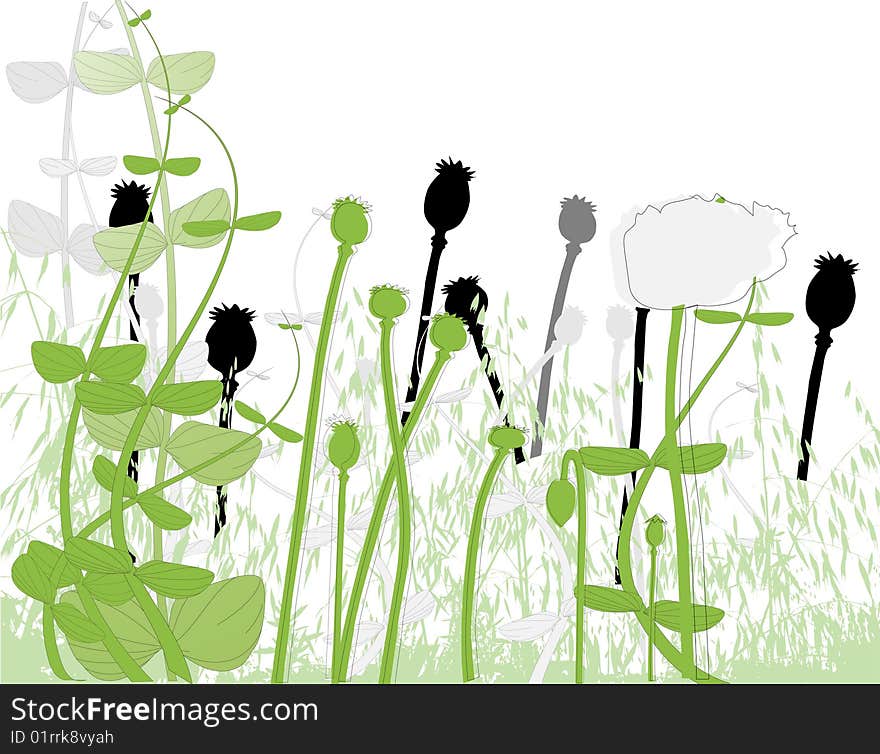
(703, 252)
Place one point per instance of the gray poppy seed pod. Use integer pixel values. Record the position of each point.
(619, 323)
(148, 302)
(577, 223)
(569, 328)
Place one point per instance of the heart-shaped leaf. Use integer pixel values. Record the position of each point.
(57, 168)
(36, 82)
(187, 71)
(119, 363)
(98, 165)
(212, 206)
(188, 398)
(106, 72)
(194, 443)
(111, 431)
(109, 397)
(33, 231)
(174, 580)
(81, 246)
(219, 628)
(57, 362)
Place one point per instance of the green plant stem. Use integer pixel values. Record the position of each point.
(682, 535)
(50, 642)
(300, 508)
(174, 658)
(652, 585)
(371, 538)
(340, 562)
(404, 513)
(470, 567)
(119, 653)
(572, 460)
(667, 649)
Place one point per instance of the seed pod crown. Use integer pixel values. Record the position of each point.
(231, 340)
(448, 196)
(831, 294)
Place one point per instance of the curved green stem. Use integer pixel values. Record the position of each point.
(682, 535)
(119, 653)
(570, 460)
(371, 538)
(470, 566)
(174, 658)
(398, 458)
(300, 508)
(50, 642)
(340, 562)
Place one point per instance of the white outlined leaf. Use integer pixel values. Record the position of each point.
(82, 249)
(417, 607)
(501, 505)
(191, 363)
(100, 20)
(56, 168)
(529, 628)
(453, 396)
(36, 82)
(98, 165)
(367, 631)
(33, 231)
(319, 536)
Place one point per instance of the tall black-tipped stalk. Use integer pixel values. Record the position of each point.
(635, 432)
(132, 202)
(577, 224)
(446, 204)
(467, 300)
(232, 344)
(831, 297)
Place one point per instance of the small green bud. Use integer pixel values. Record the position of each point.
(655, 532)
(448, 333)
(506, 438)
(387, 301)
(560, 500)
(350, 222)
(343, 444)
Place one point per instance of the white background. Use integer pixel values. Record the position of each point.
(627, 103)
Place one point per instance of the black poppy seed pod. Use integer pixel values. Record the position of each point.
(831, 297)
(466, 299)
(446, 204)
(232, 345)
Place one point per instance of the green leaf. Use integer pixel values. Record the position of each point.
(284, 433)
(106, 72)
(716, 317)
(56, 362)
(30, 579)
(115, 245)
(187, 71)
(695, 459)
(206, 228)
(128, 624)
(614, 461)
(182, 166)
(146, 15)
(285, 326)
(262, 221)
(188, 398)
(171, 110)
(140, 165)
(132, 22)
(162, 513)
(770, 319)
(104, 470)
(212, 206)
(610, 600)
(174, 580)
(194, 443)
(251, 414)
(93, 556)
(75, 625)
(109, 588)
(46, 557)
(219, 628)
(119, 363)
(109, 397)
(668, 615)
(110, 432)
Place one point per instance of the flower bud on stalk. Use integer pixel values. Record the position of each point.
(232, 344)
(446, 204)
(466, 299)
(130, 207)
(655, 533)
(831, 297)
(577, 224)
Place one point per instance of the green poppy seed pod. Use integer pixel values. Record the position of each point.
(343, 445)
(506, 438)
(560, 500)
(350, 223)
(655, 532)
(387, 301)
(577, 223)
(831, 295)
(448, 333)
